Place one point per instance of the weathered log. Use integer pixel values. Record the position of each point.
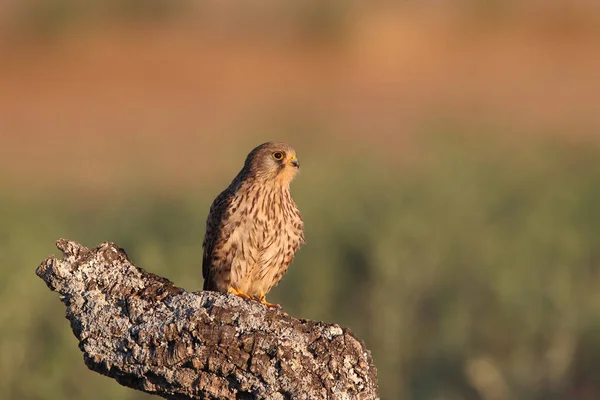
(150, 335)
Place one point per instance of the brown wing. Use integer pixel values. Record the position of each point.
(214, 225)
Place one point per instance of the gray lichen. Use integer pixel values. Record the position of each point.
(150, 335)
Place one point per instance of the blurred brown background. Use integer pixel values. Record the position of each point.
(450, 174)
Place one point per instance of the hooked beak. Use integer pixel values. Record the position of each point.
(295, 163)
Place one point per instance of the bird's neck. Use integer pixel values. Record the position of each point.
(273, 185)
(281, 182)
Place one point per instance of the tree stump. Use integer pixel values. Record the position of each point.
(150, 335)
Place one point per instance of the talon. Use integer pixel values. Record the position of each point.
(263, 299)
(239, 293)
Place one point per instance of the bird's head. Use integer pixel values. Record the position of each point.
(274, 161)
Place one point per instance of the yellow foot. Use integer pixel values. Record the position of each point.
(239, 293)
(262, 298)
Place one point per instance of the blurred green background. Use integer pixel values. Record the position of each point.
(450, 180)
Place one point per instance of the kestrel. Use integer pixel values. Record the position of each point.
(254, 227)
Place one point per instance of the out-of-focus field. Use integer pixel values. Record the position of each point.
(450, 179)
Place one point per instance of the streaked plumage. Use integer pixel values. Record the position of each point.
(254, 228)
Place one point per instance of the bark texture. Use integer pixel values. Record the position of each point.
(150, 335)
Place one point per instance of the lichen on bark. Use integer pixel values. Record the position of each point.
(150, 335)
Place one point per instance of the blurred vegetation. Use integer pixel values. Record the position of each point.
(49, 18)
(54, 17)
(315, 20)
(471, 274)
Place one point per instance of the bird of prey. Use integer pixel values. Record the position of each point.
(254, 228)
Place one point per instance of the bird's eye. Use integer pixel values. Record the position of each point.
(278, 155)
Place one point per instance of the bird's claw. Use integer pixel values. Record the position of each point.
(262, 298)
(239, 293)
